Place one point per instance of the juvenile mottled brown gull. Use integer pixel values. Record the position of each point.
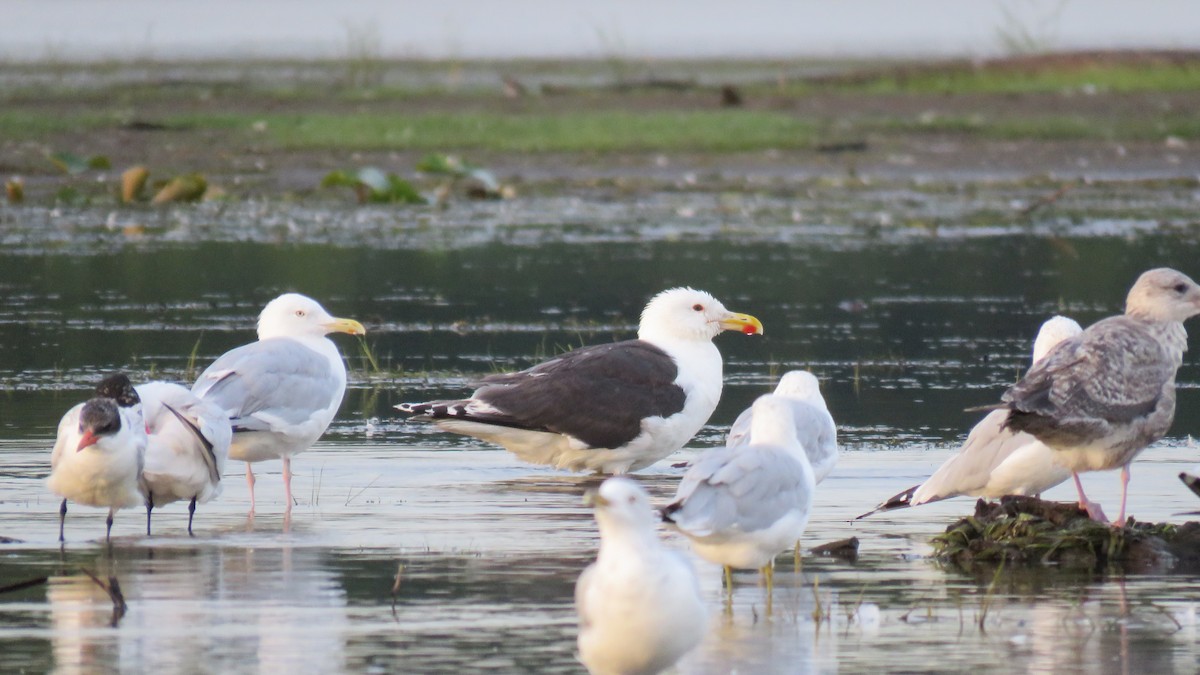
(1101, 397)
(639, 605)
(611, 408)
(996, 461)
(815, 429)
(282, 391)
(186, 448)
(97, 457)
(741, 506)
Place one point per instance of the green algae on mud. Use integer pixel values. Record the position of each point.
(1026, 531)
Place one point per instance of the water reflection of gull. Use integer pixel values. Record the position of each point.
(995, 461)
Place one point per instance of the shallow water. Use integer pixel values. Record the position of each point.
(904, 331)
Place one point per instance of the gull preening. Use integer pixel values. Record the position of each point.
(995, 460)
(1101, 397)
(281, 392)
(98, 454)
(742, 506)
(639, 605)
(815, 429)
(186, 448)
(611, 408)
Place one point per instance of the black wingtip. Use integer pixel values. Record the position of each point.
(900, 501)
(1192, 482)
(666, 511)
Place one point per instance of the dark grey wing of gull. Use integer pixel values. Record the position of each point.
(599, 395)
(278, 378)
(1113, 374)
(741, 489)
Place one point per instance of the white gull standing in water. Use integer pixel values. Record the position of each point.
(640, 607)
(1101, 397)
(611, 408)
(97, 457)
(815, 429)
(741, 506)
(282, 391)
(996, 461)
(186, 449)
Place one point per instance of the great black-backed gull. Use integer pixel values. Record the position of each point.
(186, 449)
(996, 461)
(1101, 397)
(97, 457)
(741, 506)
(282, 391)
(639, 605)
(609, 408)
(814, 425)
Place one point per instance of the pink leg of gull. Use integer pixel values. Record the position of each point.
(1093, 509)
(250, 484)
(1120, 521)
(287, 482)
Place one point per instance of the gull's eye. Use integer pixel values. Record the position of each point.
(1181, 288)
(300, 313)
(632, 499)
(698, 307)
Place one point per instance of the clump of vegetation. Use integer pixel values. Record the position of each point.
(373, 186)
(1029, 531)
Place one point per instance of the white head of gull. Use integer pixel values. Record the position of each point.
(815, 429)
(639, 605)
(611, 408)
(995, 461)
(1102, 397)
(741, 506)
(281, 392)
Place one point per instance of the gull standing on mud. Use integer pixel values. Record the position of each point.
(996, 461)
(281, 392)
(97, 457)
(1101, 397)
(815, 429)
(186, 448)
(639, 605)
(741, 506)
(611, 408)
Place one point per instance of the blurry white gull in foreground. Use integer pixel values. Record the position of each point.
(815, 429)
(186, 449)
(1101, 397)
(97, 457)
(281, 392)
(611, 408)
(741, 506)
(639, 605)
(995, 461)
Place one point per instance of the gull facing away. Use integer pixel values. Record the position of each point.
(281, 392)
(1101, 397)
(611, 408)
(741, 506)
(814, 425)
(97, 457)
(996, 461)
(186, 448)
(639, 605)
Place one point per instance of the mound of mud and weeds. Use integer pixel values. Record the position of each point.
(1029, 531)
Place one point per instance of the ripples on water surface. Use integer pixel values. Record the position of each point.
(904, 331)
